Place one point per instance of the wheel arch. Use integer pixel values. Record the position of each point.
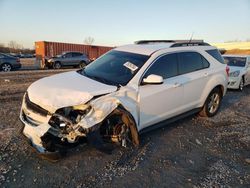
(7, 63)
(210, 86)
(221, 88)
(128, 119)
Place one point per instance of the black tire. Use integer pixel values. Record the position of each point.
(212, 103)
(57, 65)
(241, 85)
(82, 64)
(6, 67)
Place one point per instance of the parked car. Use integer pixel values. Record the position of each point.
(76, 59)
(129, 90)
(18, 55)
(239, 75)
(9, 63)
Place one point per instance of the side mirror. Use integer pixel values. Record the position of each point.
(153, 79)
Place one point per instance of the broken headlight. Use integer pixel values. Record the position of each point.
(234, 74)
(66, 118)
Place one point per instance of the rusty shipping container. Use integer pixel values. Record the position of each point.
(45, 50)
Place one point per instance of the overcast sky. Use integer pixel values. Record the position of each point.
(117, 22)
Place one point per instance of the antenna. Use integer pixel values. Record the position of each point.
(191, 37)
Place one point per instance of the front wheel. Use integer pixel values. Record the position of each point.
(57, 65)
(120, 128)
(241, 85)
(212, 103)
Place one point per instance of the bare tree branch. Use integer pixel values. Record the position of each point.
(89, 40)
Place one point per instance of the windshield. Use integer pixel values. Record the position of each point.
(115, 67)
(235, 61)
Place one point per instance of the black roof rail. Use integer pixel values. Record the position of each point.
(177, 43)
(153, 41)
(183, 44)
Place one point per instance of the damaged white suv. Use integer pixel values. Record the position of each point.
(127, 91)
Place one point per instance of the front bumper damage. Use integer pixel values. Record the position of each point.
(234, 82)
(47, 139)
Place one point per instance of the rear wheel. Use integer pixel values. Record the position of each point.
(241, 85)
(6, 67)
(212, 103)
(57, 65)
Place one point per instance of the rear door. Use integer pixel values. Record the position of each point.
(194, 71)
(163, 101)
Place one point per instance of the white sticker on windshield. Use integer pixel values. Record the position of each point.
(130, 66)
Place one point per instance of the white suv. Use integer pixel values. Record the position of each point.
(127, 91)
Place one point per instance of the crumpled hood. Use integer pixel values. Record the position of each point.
(66, 89)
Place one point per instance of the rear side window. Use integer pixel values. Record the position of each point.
(190, 61)
(216, 54)
(205, 62)
(165, 66)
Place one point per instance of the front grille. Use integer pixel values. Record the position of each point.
(34, 107)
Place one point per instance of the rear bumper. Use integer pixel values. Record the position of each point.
(16, 65)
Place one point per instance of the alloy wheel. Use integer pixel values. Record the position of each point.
(214, 102)
(6, 67)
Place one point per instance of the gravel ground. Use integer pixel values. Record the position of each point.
(193, 152)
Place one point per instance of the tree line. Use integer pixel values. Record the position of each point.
(14, 47)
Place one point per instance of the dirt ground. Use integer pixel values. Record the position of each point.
(193, 152)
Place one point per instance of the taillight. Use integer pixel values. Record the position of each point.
(227, 70)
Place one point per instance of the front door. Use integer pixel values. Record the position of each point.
(160, 102)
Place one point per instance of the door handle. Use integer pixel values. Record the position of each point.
(177, 85)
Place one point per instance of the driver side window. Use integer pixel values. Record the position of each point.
(165, 66)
